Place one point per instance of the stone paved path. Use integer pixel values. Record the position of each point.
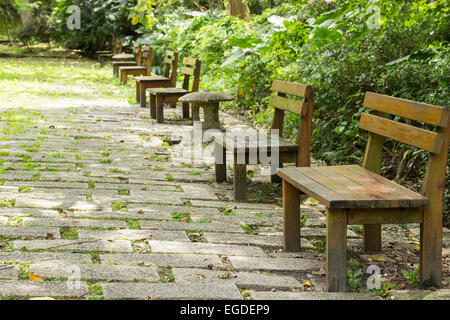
(92, 193)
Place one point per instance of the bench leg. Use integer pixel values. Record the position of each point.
(185, 110)
(143, 96)
(114, 71)
(138, 92)
(291, 220)
(372, 238)
(336, 250)
(152, 105)
(159, 109)
(221, 162)
(124, 78)
(430, 267)
(240, 181)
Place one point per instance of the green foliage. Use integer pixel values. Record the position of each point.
(412, 277)
(101, 21)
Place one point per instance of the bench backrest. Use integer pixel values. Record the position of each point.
(147, 55)
(436, 142)
(117, 46)
(191, 68)
(282, 103)
(171, 66)
(137, 51)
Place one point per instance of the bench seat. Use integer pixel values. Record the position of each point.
(230, 142)
(351, 186)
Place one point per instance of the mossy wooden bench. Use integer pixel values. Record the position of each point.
(355, 195)
(169, 78)
(298, 153)
(144, 68)
(159, 96)
(117, 62)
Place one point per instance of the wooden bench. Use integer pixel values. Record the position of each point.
(159, 96)
(137, 52)
(117, 49)
(298, 153)
(355, 195)
(169, 78)
(144, 68)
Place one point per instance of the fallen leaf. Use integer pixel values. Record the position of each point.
(49, 236)
(141, 211)
(310, 202)
(200, 276)
(33, 277)
(321, 272)
(226, 275)
(377, 259)
(308, 284)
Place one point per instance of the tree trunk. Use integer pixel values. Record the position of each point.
(238, 9)
(5, 21)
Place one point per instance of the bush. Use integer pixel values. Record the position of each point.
(101, 21)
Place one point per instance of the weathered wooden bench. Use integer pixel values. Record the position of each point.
(117, 63)
(355, 195)
(117, 49)
(159, 96)
(107, 51)
(169, 78)
(145, 67)
(298, 153)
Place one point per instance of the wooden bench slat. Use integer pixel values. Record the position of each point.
(385, 216)
(297, 107)
(187, 71)
(189, 61)
(343, 186)
(338, 188)
(307, 185)
(352, 182)
(424, 139)
(427, 113)
(296, 89)
(385, 186)
(170, 53)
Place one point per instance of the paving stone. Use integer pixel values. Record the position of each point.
(237, 205)
(70, 222)
(123, 215)
(127, 234)
(56, 204)
(183, 247)
(312, 233)
(26, 212)
(8, 272)
(241, 263)
(442, 294)
(161, 259)
(38, 289)
(31, 232)
(244, 280)
(246, 239)
(88, 245)
(3, 221)
(48, 184)
(26, 257)
(172, 225)
(280, 295)
(172, 291)
(95, 272)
